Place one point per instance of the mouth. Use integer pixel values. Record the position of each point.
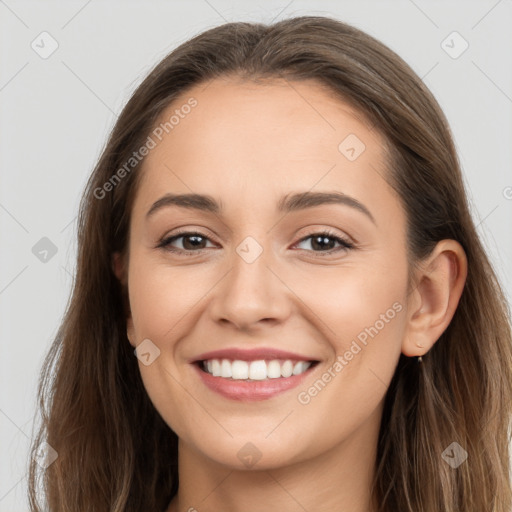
(256, 370)
(252, 375)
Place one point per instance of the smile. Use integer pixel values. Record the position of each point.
(251, 375)
(254, 370)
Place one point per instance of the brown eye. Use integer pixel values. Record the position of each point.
(326, 242)
(191, 242)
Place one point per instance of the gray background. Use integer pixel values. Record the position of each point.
(56, 114)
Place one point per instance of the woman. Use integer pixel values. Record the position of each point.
(281, 300)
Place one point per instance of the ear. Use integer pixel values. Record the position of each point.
(432, 303)
(118, 267)
(120, 271)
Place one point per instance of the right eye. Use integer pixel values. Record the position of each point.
(194, 240)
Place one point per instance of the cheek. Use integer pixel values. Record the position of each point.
(366, 316)
(165, 302)
(364, 309)
(362, 301)
(363, 319)
(160, 300)
(162, 296)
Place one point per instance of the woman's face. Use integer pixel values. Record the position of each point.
(255, 289)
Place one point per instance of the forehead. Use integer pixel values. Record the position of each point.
(245, 141)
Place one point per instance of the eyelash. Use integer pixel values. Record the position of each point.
(165, 243)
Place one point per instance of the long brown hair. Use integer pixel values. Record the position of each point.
(114, 450)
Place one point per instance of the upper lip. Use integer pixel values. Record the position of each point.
(253, 354)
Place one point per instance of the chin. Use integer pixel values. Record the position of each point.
(240, 453)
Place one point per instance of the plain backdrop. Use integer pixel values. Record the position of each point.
(57, 110)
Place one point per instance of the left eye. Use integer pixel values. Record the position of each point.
(326, 240)
(195, 242)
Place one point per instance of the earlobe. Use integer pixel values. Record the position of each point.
(130, 332)
(118, 267)
(432, 304)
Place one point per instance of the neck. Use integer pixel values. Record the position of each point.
(339, 479)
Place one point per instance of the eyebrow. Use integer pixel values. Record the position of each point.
(288, 203)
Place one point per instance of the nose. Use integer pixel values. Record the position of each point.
(251, 295)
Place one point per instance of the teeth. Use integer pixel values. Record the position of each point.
(225, 368)
(239, 370)
(216, 370)
(258, 370)
(300, 367)
(287, 369)
(273, 369)
(254, 370)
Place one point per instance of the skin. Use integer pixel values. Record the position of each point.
(246, 145)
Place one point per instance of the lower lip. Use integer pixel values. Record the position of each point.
(248, 391)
